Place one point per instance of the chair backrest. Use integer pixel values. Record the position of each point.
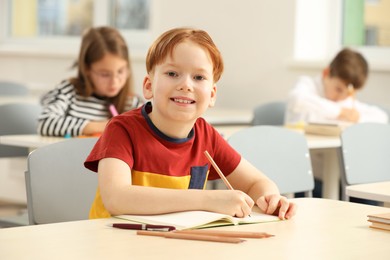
(18, 118)
(365, 153)
(9, 88)
(271, 113)
(58, 186)
(279, 153)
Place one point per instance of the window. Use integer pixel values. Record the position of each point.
(46, 25)
(323, 27)
(366, 23)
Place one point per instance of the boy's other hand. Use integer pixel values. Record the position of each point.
(275, 204)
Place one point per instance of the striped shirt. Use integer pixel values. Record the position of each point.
(65, 112)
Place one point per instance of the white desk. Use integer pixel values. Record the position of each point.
(224, 116)
(313, 142)
(379, 191)
(327, 145)
(322, 141)
(19, 99)
(29, 141)
(322, 229)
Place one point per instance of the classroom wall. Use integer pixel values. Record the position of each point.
(255, 37)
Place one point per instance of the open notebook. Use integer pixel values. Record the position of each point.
(198, 219)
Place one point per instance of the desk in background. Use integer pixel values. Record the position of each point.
(327, 145)
(378, 191)
(18, 99)
(29, 141)
(225, 118)
(228, 117)
(322, 229)
(34, 141)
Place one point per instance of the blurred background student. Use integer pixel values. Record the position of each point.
(331, 96)
(102, 88)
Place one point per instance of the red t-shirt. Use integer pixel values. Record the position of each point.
(132, 138)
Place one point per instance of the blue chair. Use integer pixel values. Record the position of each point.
(59, 188)
(8, 88)
(365, 154)
(271, 113)
(18, 119)
(279, 153)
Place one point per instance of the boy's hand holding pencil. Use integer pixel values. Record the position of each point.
(248, 200)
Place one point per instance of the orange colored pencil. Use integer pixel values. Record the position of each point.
(225, 233)
(191, 236)
(223, 178)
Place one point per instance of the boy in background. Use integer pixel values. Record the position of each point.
(331, 96)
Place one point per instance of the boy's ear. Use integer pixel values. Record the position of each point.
(147, 87)
(213, 97)
(326, 72)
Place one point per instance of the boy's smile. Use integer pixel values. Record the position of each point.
(181, 87)
(183, 101)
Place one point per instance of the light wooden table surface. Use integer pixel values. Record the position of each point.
(322, 229)
(379, 191)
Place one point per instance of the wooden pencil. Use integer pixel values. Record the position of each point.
(225, 233)
(200, 237)
(223, 178)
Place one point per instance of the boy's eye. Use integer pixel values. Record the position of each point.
(172, 74)
(199, 77)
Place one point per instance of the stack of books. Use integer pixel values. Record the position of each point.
(381, 221)
(325, 128)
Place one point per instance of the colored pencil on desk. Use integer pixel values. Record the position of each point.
(225, 233)
(191, 236)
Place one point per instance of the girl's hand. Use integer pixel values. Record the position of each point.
(275, 204)
(94, 127)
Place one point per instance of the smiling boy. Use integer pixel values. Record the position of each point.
(151, 160)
